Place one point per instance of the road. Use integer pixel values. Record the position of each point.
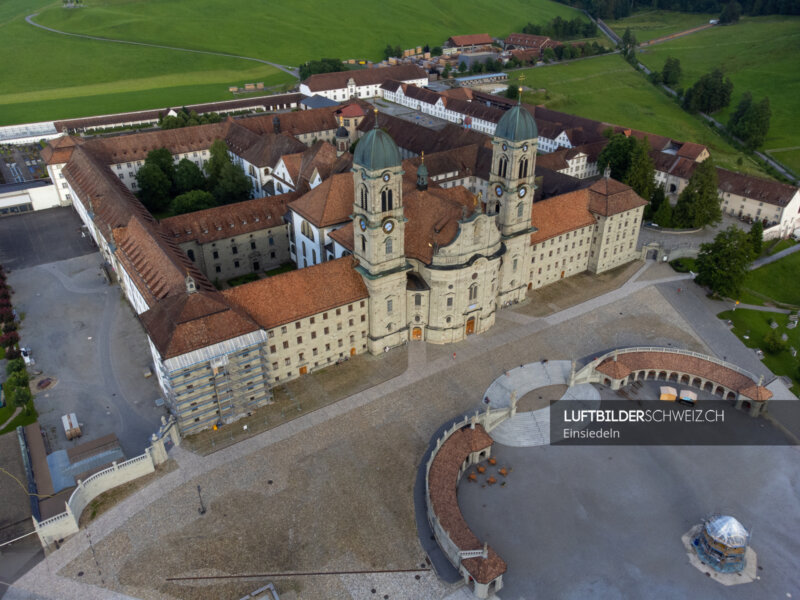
(294, 72)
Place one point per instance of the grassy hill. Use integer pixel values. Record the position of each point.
(760, 55)
(608, 89)
(48, 76)
(651, 24)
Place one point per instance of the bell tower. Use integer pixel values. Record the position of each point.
(511, 179)
(379, 236)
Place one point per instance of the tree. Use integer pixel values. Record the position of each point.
(698, 203)
(162, 158)
(617, 155)
(709, 94)
(216, 162)
(656, 199)
(15, 365)
(426, 48)
(750, 121)
(671, 73)
(154, 187)
(757, 238)
(193, 201)
(641, 171)
(773, 343)
(436, 51)
(731, 13)
(18, 379)
(663, 215)
(188, 176)
(20, 396)
(462, 66)
(446, 72)
(512, 92)
(232, 185)
(722, 264)
(548, 54)
(629, 45)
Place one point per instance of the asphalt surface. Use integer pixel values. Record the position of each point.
(42, 237)
(606, 522)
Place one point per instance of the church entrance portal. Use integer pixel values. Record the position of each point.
(303, 370)
(470, 325)
(416, 333)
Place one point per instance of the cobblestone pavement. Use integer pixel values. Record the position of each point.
(331, 490)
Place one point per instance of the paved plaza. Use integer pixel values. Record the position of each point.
(333, 489)
(85, 337)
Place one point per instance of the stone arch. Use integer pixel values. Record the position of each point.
(662, 375)
(708, 387)
(697, 382)
(502, 166)
(651, 375)
(719, 391)
(731, 396)
(673, 377)
(607, 381)
(684, 379)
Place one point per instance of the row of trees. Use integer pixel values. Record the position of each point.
(562, 29)
(323, 65)
(9, 338)
(16, 390)
(165, 186)
(187, 118)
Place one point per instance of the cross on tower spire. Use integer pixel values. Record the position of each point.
(521, 80)
(376, 116)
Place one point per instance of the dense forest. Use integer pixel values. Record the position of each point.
(616, 9)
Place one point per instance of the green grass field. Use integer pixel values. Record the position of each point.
(48, 76)
(777, 280)
(755, 325)
(760, 55)
(607, 88)
(651, 24)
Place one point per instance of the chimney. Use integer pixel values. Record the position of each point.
(276, 123)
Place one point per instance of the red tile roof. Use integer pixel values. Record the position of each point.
(691, 150)
(261, 150)
(473, 39)
(59, 150)
(330, 203)
(186, 322)
(443, 488)
(610, 197)
(560, 214)
(316, 120)
(376, 76)
(433, 217)
(284, 298)
(630, 362)
(527, 40)
(352, 110)
(226, 221)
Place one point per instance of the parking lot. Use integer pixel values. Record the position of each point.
(81, 331)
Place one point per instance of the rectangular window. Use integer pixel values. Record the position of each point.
(326, 331)
(272, 348)
(283, 329)
(236, 264)
(218, 269)
(287, 361)
(299, 339)
(285, 345)
(450, 302)
(313, 335)
(215, 254)
(252, 245)
(389, 306)
(234, 250)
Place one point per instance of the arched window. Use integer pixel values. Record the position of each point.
(386, 199)
(363, 244)
(473, 292)
(304, 249)
(190, 253)
(502, 166)
(363, 196)
(313, 256)
(519, 210)
(388, 244)
(523, 167)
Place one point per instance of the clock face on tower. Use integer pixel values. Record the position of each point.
(505, 147)
(522, 192)
(525, 148)
(388, 226)
(498, 190)
(362, 223)
(386, 177)
(363, 174)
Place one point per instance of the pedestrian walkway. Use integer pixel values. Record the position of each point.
(532, 428)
